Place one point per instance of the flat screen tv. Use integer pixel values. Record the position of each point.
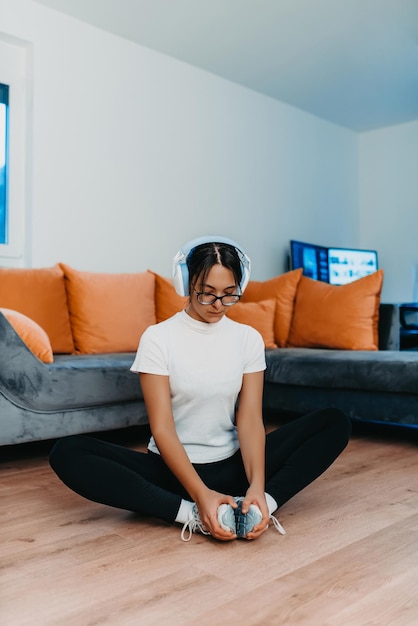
(312, 258)
(348, 264)
(337, 266)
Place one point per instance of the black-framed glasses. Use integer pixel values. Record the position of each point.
(204, 297)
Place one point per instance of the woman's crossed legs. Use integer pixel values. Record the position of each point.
(296, 454)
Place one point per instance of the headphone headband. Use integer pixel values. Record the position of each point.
(180, 273)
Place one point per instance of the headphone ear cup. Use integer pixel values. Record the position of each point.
(245, 268)
(184, 279)
(246, 271)
(180, 275)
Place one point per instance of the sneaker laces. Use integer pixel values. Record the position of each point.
(277, 524)
(193, 524)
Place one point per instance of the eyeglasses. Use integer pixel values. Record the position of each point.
(203, 297)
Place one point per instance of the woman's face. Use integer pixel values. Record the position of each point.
(219, 282)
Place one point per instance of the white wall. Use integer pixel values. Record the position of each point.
(134, 153)
(388, 165)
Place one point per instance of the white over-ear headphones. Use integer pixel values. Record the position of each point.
(180, 274)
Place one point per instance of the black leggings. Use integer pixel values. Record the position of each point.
(296, 454)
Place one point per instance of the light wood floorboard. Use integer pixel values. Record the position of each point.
(350, 556)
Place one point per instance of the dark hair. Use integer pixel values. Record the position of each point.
(201, 259)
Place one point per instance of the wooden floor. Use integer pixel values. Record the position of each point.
(350, 556)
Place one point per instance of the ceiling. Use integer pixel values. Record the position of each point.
(352, 62)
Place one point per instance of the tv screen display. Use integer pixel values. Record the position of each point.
(312, 258)
(346, 265)
(337, 266)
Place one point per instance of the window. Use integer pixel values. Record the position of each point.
(14, 143)
(4, 110)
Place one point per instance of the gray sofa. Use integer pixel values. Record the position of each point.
(92, 393)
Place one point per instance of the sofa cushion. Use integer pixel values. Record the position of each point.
(283, 290)
(384, 371)
(259, 315)
(340, 317)
(31, 334)
(167, 301)
(40, 295)
(108, 312)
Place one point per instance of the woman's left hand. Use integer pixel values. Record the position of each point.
(258, 498)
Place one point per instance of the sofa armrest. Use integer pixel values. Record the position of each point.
(389, 327)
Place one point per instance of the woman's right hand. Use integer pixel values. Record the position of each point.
(208, 504)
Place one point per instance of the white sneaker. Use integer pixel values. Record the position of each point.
(194, 524)
(245, 523)
(226, 518)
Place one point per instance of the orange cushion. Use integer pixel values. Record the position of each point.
(108, 312)
(259, 315)
(283, 289)
(31, 334)
(40, 295)
(167, 301)
(342, 317)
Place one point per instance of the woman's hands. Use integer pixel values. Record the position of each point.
(210, 501)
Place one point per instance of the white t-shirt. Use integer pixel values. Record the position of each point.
(205, 364)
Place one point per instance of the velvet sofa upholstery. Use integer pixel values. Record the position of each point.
(82, 393)
(77, 393)
(370, 386)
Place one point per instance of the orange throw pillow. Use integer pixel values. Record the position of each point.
(31, 334)
(108, 312)
(343, 317)
(283, 290)
(40, 295)
(259, 315)
(167, 300)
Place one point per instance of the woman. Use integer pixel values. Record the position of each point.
(209, 465)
